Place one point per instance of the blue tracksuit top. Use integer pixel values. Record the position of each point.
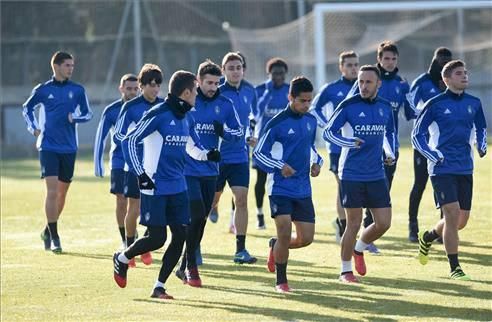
(394, 89)
(327, 100)
(107, 123)
(207, 110)
(166, 137)
(131, 112)
(422, 90)
(453, 123)
(55, 100)
(288, 138)
(271, 101)
(371, 121)
(244, 101)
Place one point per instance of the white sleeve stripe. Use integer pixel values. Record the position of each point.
(264, 158)
(332, 138)
(31, 125)
(132, 148)
(415, 141)
(194, 151)
(98, 149)
(119, 126)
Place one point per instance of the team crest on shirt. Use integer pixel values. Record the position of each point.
(245, 99)
(70, 94)
(381, 112)
(217, 109)
(469, 109)
(397, 90)
(308, 127)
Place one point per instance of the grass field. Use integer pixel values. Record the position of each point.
(78, 285)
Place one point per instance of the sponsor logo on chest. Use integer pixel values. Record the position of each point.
(369, 129)
(175, 140)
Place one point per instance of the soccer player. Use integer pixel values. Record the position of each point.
(214, 117)
(272, 99)
(367, 128)
(444, 133)
(284, 151)
(393, 89)
(62, 104)
(166, 133)
(129, 90)
(234, 165)
(425, 87)
(324, 104)
(149, 80)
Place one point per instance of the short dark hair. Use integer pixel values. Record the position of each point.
(208, 67)
(300, 84)
(276, 62)
(59, 57)
(368, 68)
(180, 81)
(346, 54)
(230, 56)
(448, 69)
(387, 45)
(243, 58)
(128, 78)
(149, 73)
(443, 52)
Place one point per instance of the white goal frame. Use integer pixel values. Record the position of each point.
(321, 8)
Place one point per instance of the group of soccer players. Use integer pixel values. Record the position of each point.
(171, 157)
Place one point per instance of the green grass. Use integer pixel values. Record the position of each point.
(78, 285)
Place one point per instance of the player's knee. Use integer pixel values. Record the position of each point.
(241, 201)
(157, 238)
(353, 226)
(306, 240)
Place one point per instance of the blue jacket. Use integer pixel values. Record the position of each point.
(207, 110)
(327, 100)
(166, 134)
(422, 90)
(55, 101)
(288, 139)
(106, 125)
(131, 112)
(271, 101)
(371, 121)
(244, 101)
(453, 122)
(394, 89)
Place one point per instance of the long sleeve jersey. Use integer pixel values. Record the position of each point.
(371, 121)
(166, 136)
(394, 89)
(207, 110)
(446, 130)
(271, 101)
(422, 90)
(288, 139)
(131, 112)
(106, 125)
(327, 100)
(55, 100)
(244, 101)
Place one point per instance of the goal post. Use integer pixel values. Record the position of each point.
(321, 9)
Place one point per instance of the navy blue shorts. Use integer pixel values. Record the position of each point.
(334, 158)
(298, 209)
(117, 181)
(61, 165)
(360, 194)
(236, 174)
(450, 188)
(131, 188)
(163, 210)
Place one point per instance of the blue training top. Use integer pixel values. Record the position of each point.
(446, 130)
(207, 110)
(131, 112)
(288, 138)
(371, 121)
(107, 123)
(166, 135)
(55, 100)
(244, 101)
(327, 100)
